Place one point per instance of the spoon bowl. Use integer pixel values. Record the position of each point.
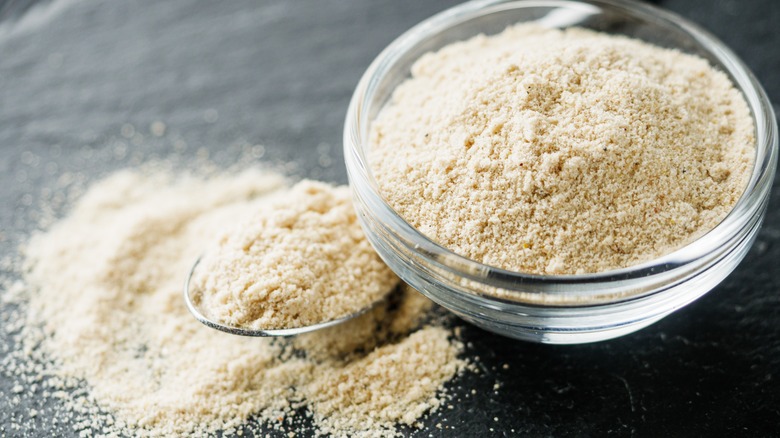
(243, 331)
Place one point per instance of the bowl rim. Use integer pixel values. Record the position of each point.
(749, 204)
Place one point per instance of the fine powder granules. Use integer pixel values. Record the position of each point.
(104, 287)
(297, 261)
(562, 152)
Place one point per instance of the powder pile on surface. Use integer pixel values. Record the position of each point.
(562, 152)
(297, 261)
(105, 289)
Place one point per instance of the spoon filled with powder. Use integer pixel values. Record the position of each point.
(299, 263)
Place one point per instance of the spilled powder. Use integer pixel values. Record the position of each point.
(298, 260)
(562, 152)
(106, 329)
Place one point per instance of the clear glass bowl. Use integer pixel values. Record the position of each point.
(561, 309)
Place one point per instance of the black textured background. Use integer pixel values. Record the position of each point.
(226, 75)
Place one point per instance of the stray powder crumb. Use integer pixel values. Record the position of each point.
(562, 151)
(300, 260)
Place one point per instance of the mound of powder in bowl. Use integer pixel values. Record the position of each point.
(562, 152)
(300, 260)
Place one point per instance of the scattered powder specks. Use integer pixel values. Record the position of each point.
(107, 332)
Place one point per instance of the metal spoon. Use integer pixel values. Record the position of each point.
(261, 332)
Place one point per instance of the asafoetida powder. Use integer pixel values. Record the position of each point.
(298, 260)
(562, 151)
(107, 331)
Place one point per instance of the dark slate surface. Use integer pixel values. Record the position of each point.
(223, 75)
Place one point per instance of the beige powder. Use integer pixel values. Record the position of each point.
(105, 286)
(383, 388)
(300, 260)
(562, 152)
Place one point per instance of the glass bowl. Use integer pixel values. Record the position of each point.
(559, 309)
